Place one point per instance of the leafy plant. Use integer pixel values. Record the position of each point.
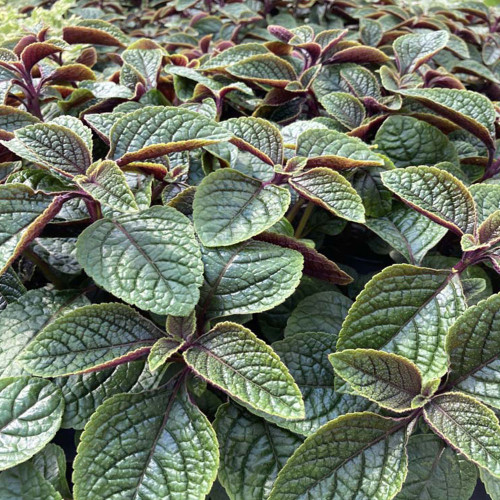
(249, 250)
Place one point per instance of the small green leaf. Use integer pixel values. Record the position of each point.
(390, 380)
(248, 208)
(30, 415)
(163, 349)
(345, 108)
(226, 357)
(491, 483)
(234, 54)
(489, 231)
(182, 327)
(11, 288)
(91, 337)
(51, 464)
(487, 200)
(146, 62)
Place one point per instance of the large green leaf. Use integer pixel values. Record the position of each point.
(248, 278)
(252, 452)
(487, 200)
(227, 355)
(473, 345)
(345, 108)
(361, 455)
(150, 259)
(247, 208)
(435, 193)
(154, 444)
(24, 319)
(330, 190)
(157, 130)
(390, 380)
(91, 337)
(435, 471)
(30, 415)
(406, 310)
(469, 426)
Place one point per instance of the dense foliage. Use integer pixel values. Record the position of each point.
(249, 250)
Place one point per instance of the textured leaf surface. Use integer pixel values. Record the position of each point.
(155, 444)
(435, 193)
(146, 62)
(361, 455)
(150, 259)
(487, 200)
(235, 360)
(491, 483)
(406, 310)
(247, 278)
(469, 426)
(30, 415)
(91, 337)
(345, 108)
(11, 288)
(252, 452)
(390, 380)
(248, 207)
(161, 351)
(51, 464)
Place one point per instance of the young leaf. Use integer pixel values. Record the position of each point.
(51, 464)
(252, 452)
(345, 108)
(489, 231)
(163, 349)
(360, 455)
(391, 381)
(182, 327)
(135, 446)
(248, 208)
(146, 62)
(90, 338)
(393, 311)
(30, 415)
(487, 200)
(149, 258)
(435, 193)
(332, 191)
(469, 426)
(226, 357)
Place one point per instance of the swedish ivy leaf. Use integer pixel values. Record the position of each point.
(94, 31)
(234, 54)
(328, 148)
(157, 130)
(76, 125)
(248, 278)
(89, 338)
(12, 118)
(248, 208)
(487, 200)
(414, 50)
(252, 452)
(406, 310)
(473, 344)
(390, 380)
(226, 357)
(371, 31)
(407, 231)
(489, 231)
(435, 471)
(138, 445)
(182, 327)
(435, 193)
(30, 415)
(330, 190)
(146, 62)
(106, 183)
(163, 349)
(491, 483)
(51, 464)
(468, 425)
(149, 258)
(345, 108)
(24, 319)
(360, 455)
(408, 141)
(102, 123)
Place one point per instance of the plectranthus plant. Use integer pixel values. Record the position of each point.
(249, 250)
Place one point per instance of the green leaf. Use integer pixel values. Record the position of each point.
(469, 426)
(146, 62)
(330, 190)
(391, 381)
(489, 231)
(163, 349)
(436, 194)
(248, 278)
(90, 338)
(345, 108)
(360, 455)
(107, 184)
(227, 355)
(406, 310)
(436, 472)
(12, 118)
(183, 327)
(30, 415)
(149, 258)
(328, 148)
(408, 141)
(140, 445)
(487, 200)
(51, 464)
(59, 253)
(413, 50)
(153, 131)
(491, 483)
(407, 231)
(248, 208)
(11, 288)
(252, 452)
(24, 319)
(473, 345)
(234, 54)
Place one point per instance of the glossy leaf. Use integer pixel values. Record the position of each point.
(163, 349)
(345, 108)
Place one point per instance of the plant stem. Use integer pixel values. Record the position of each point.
(303, 221)
(295, 209)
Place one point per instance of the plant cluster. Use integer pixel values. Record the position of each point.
(250, 250)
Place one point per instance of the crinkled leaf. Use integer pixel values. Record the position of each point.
(11, 288)
(163, 349)
(12, 118)
(146, 62)
(234, 54)
(51, 464)
(345, 108)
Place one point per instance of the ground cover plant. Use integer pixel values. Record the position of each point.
(249, 250)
